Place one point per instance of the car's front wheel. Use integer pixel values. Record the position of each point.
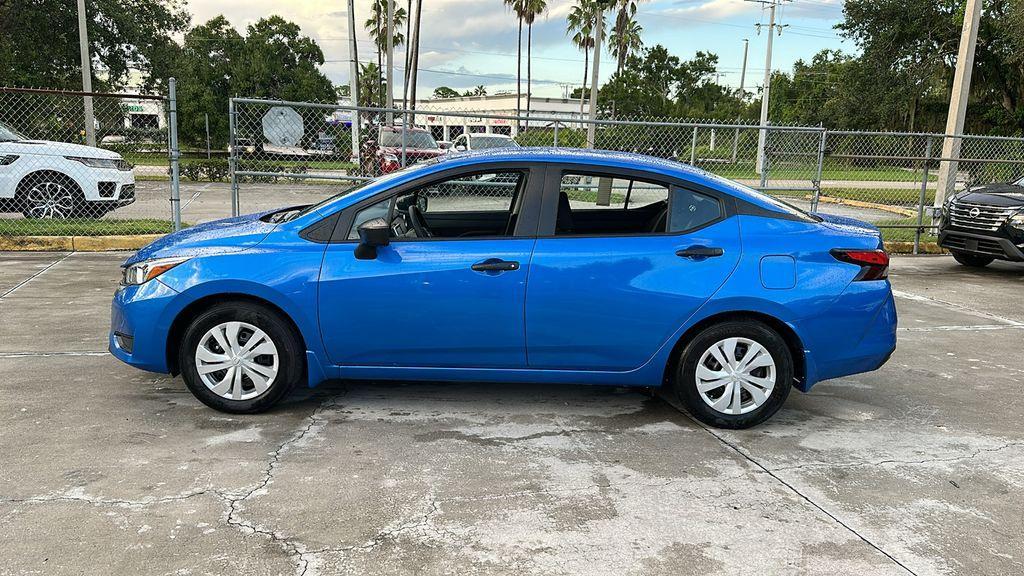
(735, 374)
(50, 195)
(240, 357)
(972, 260)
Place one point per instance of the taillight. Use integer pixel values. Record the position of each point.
(874, 264)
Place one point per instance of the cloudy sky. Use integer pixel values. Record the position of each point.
(471, 42)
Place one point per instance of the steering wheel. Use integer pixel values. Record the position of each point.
(419, 224)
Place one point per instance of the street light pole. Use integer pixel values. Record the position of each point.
(389, 28)
(594, 72)
(83, 41)
(958, 101)
(353, 80)
(762, 135)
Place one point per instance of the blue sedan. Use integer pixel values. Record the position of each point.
(517, 265)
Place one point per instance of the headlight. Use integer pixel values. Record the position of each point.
(7, 159)
(108, 163)
(1017, 220)
(142, 272)
(390, 158)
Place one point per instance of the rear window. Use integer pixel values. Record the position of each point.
(413, 139)
(779, 205)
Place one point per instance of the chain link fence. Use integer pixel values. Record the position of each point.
(78, 164)
(55, 180)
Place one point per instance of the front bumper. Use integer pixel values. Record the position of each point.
(136, 315)
(981, 244)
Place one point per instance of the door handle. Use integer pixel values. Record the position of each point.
(495, 265)
(699, 252)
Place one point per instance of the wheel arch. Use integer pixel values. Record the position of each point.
(49, 170)
(200, 305)
(793, 341)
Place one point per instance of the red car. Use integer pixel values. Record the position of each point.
(384, 154)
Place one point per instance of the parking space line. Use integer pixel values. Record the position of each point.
(802, 496)
(46, 354)
(970, 328)
(955, 307)
(36, 275)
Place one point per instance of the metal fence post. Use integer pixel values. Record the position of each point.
(172, 126)
(405, 131)
(923, 195)
(763, 154)
(556, 135)
(693, 147)
(233, 156)
(817, 176)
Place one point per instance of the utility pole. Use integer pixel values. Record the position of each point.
(743, 71)
(83, 41)
(958, 101)
(743, 96)
(389, 27)
(353, 80)
(594, 72)
(762, 135)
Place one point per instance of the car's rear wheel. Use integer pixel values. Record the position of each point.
(735, 374)
(972, 260)
(50, 195)
(240, 357)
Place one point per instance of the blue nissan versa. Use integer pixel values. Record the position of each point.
(517, 265)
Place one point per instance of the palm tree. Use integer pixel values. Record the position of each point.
(625, 36)
(519, 8)
(532, 9)
(581, 25)
(376, 26)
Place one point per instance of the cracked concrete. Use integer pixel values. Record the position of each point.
(914, 469)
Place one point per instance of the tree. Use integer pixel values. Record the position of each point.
(531, 10)
(518, 7)
(273, 60)
(376, 25)
(625, 36)
(478, 91)
(580, 23)
(445, 92)
(39, 42)
(371, 86)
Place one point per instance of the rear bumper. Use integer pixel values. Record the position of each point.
(980, 244)
(868, 352)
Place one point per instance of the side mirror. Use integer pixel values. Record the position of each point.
(444, 145)
(460, 147)
(372, 234)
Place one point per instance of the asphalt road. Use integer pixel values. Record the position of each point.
(914, 469)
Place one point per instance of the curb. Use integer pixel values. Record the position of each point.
(75, 243)
(908, 248)
(905, 212)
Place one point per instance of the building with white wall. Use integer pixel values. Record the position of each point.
(562, 111)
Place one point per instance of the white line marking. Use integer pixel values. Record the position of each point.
(46, 354)
(954, 307)
(36, 275)
(974, 328)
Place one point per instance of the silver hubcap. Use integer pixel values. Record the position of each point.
(735, 375)
(237, 360)
(50, 200)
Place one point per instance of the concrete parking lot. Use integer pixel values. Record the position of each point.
(916, 469)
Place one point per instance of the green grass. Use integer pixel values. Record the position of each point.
(830, 171)
(314, 162)
(591, 196)
(904, 198)
(904, 234)
(83, 227)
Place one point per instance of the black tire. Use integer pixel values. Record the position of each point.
(972, 260)
(684, 383)
(290, 356)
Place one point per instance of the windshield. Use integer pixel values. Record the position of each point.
(482, 142)
(9, 135)
(378, 180)
(413, 139)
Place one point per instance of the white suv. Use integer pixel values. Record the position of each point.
(43, 179)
